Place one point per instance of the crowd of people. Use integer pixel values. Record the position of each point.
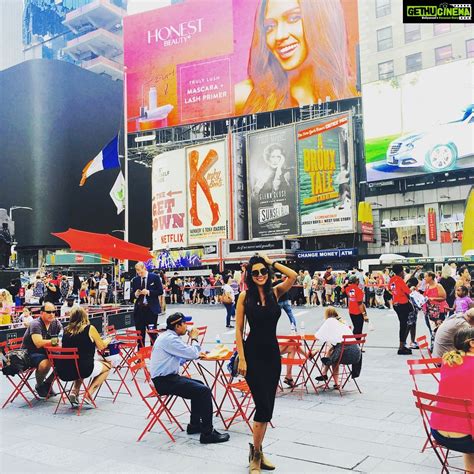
(255, 298)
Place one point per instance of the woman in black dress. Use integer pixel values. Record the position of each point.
(81, 334)
(259, 355)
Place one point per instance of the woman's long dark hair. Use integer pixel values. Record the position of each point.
(252, 296)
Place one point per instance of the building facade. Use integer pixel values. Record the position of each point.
(11, 45)
(390, 48)
(421, 211)
(87, 33)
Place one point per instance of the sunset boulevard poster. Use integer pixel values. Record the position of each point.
(325, 174)
(271, 171)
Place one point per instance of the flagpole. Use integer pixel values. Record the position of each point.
(126, 224)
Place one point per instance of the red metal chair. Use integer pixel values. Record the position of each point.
(70, 354)
(457, 408)
(428, 367)
(22, 387)
(110, 331)
(148, 393)
(129, 346)
(241, 400)
(346, 373)
(424, 347)
(299, 361)
(424, 367)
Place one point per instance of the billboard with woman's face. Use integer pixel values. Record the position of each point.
(210, 59)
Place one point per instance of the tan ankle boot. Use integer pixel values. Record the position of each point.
(255, 458)
(266, 465)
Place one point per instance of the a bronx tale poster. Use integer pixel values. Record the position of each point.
(325, 174)
(271, 179)
(169, 200)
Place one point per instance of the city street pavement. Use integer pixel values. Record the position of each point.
(376, 431)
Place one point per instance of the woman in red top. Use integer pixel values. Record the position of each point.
(355, 298)
(401, 304)
(457, 376)
(436, 307)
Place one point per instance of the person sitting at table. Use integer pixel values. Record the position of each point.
(332, 332)
(37, 336)
(81, 334)
(168, 353)
(457, 375)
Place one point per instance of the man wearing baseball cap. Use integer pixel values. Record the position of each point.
(169, 352)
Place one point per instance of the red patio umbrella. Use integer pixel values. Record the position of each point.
(103, 244)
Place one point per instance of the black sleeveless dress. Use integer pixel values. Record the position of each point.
(66, 369)
(262, 355)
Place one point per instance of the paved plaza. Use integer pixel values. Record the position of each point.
(376, 431)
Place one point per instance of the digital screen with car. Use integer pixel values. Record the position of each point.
(424, 124)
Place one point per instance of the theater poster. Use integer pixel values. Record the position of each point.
(202, 60)
(271, 182)
(326, 176)
(168, 187)
(207, 188)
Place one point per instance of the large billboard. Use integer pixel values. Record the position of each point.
(168, 183)
(420, 123)
(207, 192)
(210, 59)
(325, 174)
(271, 182)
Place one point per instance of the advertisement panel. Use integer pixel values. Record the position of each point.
(168, 184)
(413, 139)
(205, 59)
(207, 192)
(325, 173)
(239, 191)
(271, 182)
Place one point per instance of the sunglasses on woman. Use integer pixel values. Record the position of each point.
(262, 271)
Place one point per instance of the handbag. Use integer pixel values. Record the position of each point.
(15, 361)
(226, 299)
(432, 311)
(233, 364)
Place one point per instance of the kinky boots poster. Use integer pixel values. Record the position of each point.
(207, 192)
(271, 174)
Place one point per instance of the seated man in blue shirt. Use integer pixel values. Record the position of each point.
(169, 352)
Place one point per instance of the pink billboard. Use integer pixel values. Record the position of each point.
(210, 59)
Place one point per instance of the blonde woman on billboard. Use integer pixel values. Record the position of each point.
(299, 54)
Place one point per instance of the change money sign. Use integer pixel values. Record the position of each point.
(325, 169)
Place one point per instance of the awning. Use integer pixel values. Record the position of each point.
(103, 244)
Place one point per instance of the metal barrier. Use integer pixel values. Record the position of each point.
(121, 318)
